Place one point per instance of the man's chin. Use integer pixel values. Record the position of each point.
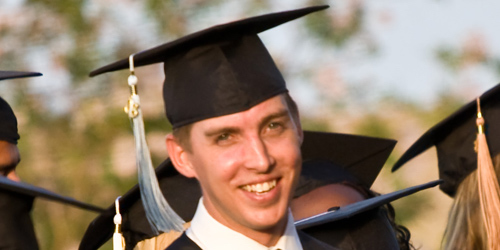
(268, 223)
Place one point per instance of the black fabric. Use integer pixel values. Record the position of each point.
(454, 139)
(16, 228)
(183, 243)
(218, 71)
(370, 230)
(363, 157)
(308, 243)
(8, 124)
(181, 193)
(219, 79)
(318, 173)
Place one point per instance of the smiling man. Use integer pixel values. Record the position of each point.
(247, 164)
(236, 130)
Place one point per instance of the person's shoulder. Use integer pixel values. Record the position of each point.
(310, 243)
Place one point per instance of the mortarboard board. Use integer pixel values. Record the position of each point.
(218, 71)
(183, 193)
(34, 191)
(454, 138)
(354, 209)
(361, 225)
(16, 74)
(8, 126)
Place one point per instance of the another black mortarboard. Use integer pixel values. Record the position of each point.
(34, 191)
(354, 209)
(361, 156)
(454, 138)
(326, 150)
(218, 71)
(8, 124)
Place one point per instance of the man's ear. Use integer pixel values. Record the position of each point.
(179, 157)
(300, 132)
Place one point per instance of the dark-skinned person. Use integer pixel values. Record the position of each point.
(468, 150)
(16, 197)
(16, 227)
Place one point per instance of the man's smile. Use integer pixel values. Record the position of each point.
(260, 188)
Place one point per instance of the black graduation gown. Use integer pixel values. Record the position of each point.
(308, 243)
(16, 227)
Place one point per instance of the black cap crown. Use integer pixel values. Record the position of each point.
(8, 121)
(218, 71)
(455, 137)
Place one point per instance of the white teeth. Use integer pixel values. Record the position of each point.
(260, 188)
(265, 186)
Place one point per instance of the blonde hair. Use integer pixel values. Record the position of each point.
(466, 226)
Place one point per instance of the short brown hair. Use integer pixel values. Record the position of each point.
(183, 134)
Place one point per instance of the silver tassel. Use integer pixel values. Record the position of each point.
(160, 215)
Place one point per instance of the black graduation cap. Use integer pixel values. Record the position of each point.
(454, 138)
(361, 225)
(34, 191)
(322, 152)
(218, 71)
(8, 124)
(361, 157)
(354, 209)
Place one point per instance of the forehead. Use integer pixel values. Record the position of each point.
(255, 114)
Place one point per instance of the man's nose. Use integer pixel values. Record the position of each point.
(257, 156)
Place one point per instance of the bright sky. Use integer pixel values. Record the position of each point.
(407, 34)
(415, 29)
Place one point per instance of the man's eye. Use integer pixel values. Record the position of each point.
(223, 137)
(274, 125)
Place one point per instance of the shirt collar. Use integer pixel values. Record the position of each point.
(209, 234)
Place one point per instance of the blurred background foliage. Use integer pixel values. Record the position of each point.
(76, 140)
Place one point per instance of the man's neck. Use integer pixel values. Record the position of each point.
(222, 236)
(266, 236)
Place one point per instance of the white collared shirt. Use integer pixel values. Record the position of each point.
(209, 234)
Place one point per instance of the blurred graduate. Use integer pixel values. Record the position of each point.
(468, 150)
(16, 197)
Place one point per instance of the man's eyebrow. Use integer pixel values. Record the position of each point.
(223, 130)
(278, 114)
(233, 130)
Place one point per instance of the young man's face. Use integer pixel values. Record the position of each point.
(247, 164)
